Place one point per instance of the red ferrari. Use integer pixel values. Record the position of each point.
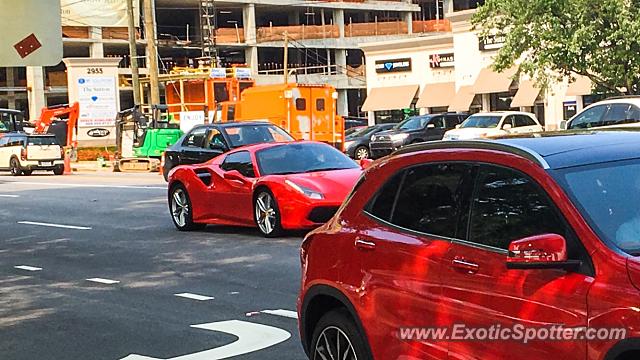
(276, 186)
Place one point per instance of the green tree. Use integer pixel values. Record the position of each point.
(552, 39)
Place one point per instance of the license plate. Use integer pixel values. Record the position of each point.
(46, 163)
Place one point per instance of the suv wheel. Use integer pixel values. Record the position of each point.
(181, 210)
(15, 167)
(337, 337)
(59, 170)
(362, 152)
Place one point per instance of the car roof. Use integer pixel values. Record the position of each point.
(555, 150)
(501, 113)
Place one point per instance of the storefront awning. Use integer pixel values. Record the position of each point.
(437, 95)
(489, 81)
(526, 95)
(582, 86)
(463, 99)
(390, 98)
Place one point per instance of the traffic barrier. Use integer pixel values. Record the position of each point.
(67, 164)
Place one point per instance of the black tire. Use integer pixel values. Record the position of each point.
(16, 170)
(27, 172)
(260, 217)
(331, 325)
(361, 152)
(183, 220)
(59, 170)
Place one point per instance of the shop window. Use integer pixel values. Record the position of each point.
(389, 116)
(301, 104)
(501, 101)
(459, 5)
(320, 104)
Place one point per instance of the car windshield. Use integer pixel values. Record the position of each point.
(481, 121)
(363, 132)
(608, 195)
(42, 140)
(413, 123)
(242, 135)
(298, 158)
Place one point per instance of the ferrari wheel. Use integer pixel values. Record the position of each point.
(181, 210)
(267, 215)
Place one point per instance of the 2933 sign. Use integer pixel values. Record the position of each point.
(95, 71)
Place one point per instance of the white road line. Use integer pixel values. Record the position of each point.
(195, 296)
(280, 312)
(27, 268)
(103, 281)
(54, 225)
(89, 185)
(9, 196)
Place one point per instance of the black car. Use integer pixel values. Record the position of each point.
(413, 130)
(204, 142)
(356, 145)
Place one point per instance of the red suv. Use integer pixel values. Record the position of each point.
(446, 243)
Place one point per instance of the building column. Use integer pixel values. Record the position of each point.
(447, 6)
(408, 18)
(579, 103)
(11, 82)
(343, 102)
(251, 58)
(486, 102)
(96, 50)
(35, 90)
(338, 19)
(249, 24)
(372, 118)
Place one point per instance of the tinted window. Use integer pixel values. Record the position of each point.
(4, 140)
(430, 197)
(452, 120)
(616, 115)
(320, 104)
(481, 121)
(413, 123)
(301, 104)
(42, 140)
(633, 115)
(256, 134)
(508, 120)
(240, 161)
(195, 138)
(438, 122)
(509, 206)
(215, 140)
(382, 204)
(524, 120)
(589, 118)
(298, 158)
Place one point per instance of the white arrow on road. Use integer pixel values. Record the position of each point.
(251, 337)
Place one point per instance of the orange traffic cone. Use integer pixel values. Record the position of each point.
(67, 164)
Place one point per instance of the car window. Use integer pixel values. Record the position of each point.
(617, 114)
(382, 203)
(438, 122)
(16, 141)
(633, 115)
(452, 120)
(42, 140)
(240, 161)
(429, 199)
(215, 140)
(508, 120)
(242, 135)
(195, 138)
(589, 118)
(481, 121)
(524, 120)
(301, 104)
(4, 140)
(509, 206)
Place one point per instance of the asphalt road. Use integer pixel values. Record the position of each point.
(124, 234)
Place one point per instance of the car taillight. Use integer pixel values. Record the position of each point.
(23, 154)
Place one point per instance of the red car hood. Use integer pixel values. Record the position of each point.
(335, 185)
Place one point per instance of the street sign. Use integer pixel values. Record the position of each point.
(31, 33)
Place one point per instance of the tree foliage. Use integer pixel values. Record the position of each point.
(552, 39)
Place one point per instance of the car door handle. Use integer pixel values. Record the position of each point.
(465, 265)
(365, 245)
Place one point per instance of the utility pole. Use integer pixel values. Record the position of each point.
(133, 54)
(152, 51)
(286, 57)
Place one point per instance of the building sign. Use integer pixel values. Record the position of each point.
(396, 65)
(98, 102)
(492, 42)
(441, 60)
(96, 12)
(218, 73)
(242, 73)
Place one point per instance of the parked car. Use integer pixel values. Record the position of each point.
(613, 112)
(530, 232)
(494, 124)
(352, 130)
(204, 142)
(276, 187)
(413, 130)
(21, 153)
(356, 145)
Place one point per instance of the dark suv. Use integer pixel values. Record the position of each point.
(413, 130)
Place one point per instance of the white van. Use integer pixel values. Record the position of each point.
(22, 153)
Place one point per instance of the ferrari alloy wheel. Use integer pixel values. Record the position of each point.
(336, 337)
(181, 210)
(267, 215)
(362, 153)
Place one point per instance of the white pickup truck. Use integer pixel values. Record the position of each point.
(22, 153)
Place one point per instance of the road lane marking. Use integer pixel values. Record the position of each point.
(251, 337)
(138, 187)
(195, 296)
(103, 281)
(280, 312)
(54, 225)
(9, 196)
(27, 268)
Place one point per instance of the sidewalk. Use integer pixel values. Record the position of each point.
(90, 166)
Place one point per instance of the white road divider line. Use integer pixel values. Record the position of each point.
(54, 225)
(104, 186)
(27, 268)
(280, 312)
(195, 296)
(103, 281)
(9, 196)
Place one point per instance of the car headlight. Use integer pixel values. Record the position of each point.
(399, 137)
(311, 194)
(347, 144)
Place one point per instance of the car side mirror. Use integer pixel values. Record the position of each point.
(431, 126)
(458, 126)
(546, 251)
(235, 176)
(563, 125)
(507, 127)
(365, 163)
